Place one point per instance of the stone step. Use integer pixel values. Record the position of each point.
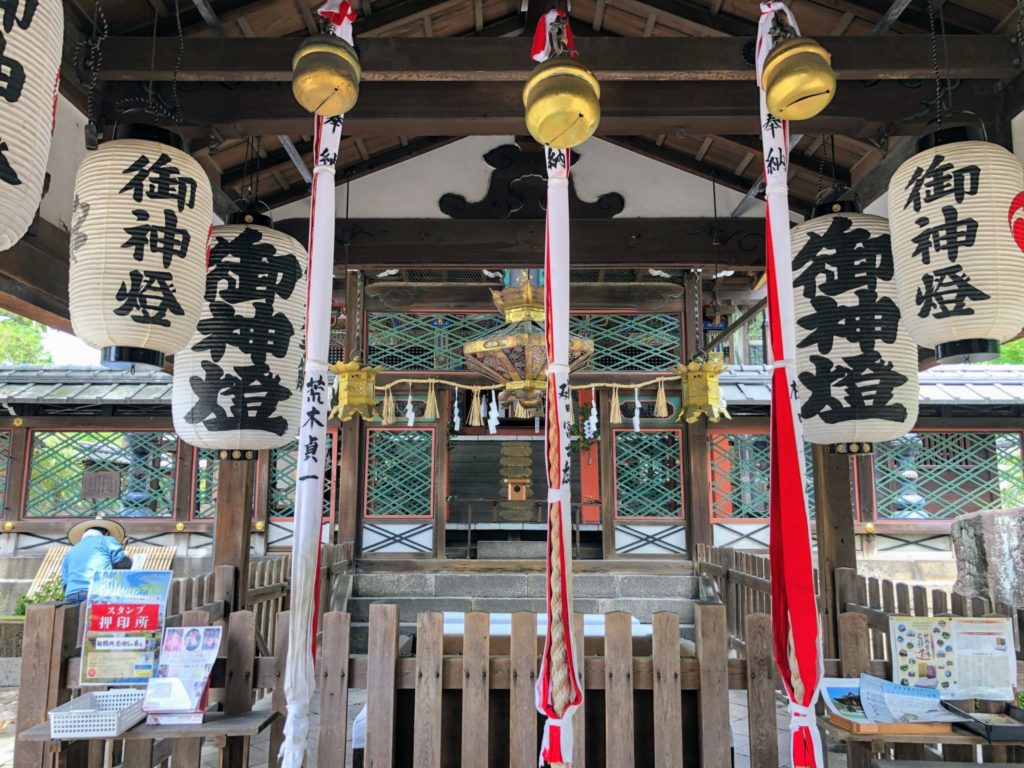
(409, 607)
(521, 585)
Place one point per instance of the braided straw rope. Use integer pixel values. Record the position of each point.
(561, 693)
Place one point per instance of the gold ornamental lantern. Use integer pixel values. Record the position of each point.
(701, 393)
(516, 354)
(325, 75)
(355, 390)
(561, 96)
(798, 79)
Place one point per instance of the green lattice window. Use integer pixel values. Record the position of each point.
(630, 342)
(205, 504)
(941, 475)
(413, 341)
(739, 476)
(282, 479)
(5, 455)
(143, 462)
(648, 473)
(399, 466)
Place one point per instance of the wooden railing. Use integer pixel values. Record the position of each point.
(744, 582)
(647, 704)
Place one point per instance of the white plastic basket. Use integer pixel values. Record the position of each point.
(98, 714)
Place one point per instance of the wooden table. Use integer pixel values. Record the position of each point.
(953, 737)
(138, 751)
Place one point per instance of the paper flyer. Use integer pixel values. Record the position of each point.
(187, 656)
(124, 619)
(961, 658)
(886, 702)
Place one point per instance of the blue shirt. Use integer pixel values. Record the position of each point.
(91, 554)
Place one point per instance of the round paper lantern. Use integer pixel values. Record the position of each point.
(955, 209)
(140, 230)
(31, 40)
(237, 386)
(856, 363)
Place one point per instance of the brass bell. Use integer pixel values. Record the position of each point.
(562, 100)
(798, 79)
(325, 75)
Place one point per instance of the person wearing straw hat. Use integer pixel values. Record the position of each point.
(96, 545)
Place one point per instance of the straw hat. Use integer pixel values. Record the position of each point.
(112, 527)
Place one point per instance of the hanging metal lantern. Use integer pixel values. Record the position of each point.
(561, 96)
(798, 80)
(856, 363)
(956, 210)
(30, 47)
(236, 385)
(701, 393)
(140, 230)
(516, 354)
(355, 390)
(325, 75)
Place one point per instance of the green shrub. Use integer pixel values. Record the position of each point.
(50, 592)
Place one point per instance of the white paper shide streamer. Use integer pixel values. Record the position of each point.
(299, 670)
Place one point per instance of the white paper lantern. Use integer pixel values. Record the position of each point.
(955, 209)
(856, 363)
(31, 40)
(140, 230)
(237, 387)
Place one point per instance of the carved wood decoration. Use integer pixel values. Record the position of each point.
(518, 189)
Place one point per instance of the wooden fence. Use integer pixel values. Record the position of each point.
(744, 582)
(471, 708)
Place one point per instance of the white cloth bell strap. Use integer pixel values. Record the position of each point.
(804, 717)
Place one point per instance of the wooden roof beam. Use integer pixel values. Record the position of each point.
(681, 243)
(468, 59)
(628, 109)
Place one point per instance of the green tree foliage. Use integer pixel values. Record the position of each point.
(1011, 353)
(21, 341)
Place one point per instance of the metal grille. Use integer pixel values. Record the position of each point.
(630, 342)
(206, 484)
(336, 351)
(282, 479)
(144, 462)
(648, 475)
(410, 341)
(740, 473)
(942, 475)
(399, 468)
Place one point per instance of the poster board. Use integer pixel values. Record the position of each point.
(961, 658)
(124, 621)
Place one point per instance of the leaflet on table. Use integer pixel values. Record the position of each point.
(124, 618)
(959, 657)
(187, 657)
(886, 702)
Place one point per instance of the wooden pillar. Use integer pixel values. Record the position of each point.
(261, 500)
(350, 460)
(606, 465)
(834, 502)
(696, 449)
(697, 486)
(439, 486)
(235, 481)
(17, 471)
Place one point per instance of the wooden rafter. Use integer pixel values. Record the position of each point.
(971, 57)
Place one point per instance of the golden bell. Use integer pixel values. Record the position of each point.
(798, 80)
(562, 100)
(325, 75)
